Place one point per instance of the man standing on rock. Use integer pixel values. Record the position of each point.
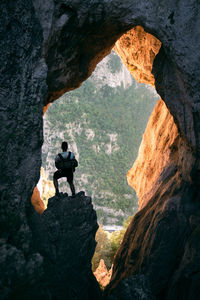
(66, 163)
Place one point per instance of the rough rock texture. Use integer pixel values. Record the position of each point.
(45, 187)
(22, 90)
(78, 34)
(159, 150)
(48, 47)
(133, 288)
(102, 274)
(137, 49)
(157, 237)
(187, 276)
(65, 237)
(37, 202)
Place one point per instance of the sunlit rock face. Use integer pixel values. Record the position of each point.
(37, 202)
(160, 149)
(49, 47)
(137, 49)
(162, 239)
(164, 232)
(102, 274)
(42, 192)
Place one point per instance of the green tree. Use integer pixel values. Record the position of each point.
(102, 250)
(117, 238)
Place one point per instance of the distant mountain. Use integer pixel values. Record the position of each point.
(103, 122)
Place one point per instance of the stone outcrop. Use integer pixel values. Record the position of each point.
(37, 202)
(135, 287)
(102, 274)
(137, 49)
(158, 151)
(65, 237)
(49, 47)
(158, 236)
(45, 186)
(42, 192)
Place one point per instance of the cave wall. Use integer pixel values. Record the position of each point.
(137, 49)
(77, 36)
(161, 149)
(161, 242)
(156, 241)
(22, 89)
(49, 47)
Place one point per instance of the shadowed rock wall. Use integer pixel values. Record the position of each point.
(65, 236)
(49, 47)
(22, 90)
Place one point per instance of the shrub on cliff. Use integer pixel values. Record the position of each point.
(117, 237)
(103, 249)
(108, 244)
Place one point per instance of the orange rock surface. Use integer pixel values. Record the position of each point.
(155, 152)
(161, 176)
(45, 108)
(42, 192)
(165, 178)
(102, 274)
(37, 201)
(137, 49)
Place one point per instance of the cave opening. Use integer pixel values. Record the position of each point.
(139, 64)
(103, 122)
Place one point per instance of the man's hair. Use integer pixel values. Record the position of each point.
(64, 146)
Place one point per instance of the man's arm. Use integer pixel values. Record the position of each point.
(57, 158)
(72, 156)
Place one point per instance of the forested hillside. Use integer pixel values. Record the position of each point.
(103, 122)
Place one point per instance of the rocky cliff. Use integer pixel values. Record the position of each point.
(49, 47)
(157, 238)
(159, 151)
(137, 49)
(63, 240)
(22, 88)
(64, 235)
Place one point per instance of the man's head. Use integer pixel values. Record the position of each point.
(64, 146)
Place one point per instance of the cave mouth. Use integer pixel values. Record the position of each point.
(139, 63)
(72, 118)
(103, 122)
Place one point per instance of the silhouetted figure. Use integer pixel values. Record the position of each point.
(66, 163)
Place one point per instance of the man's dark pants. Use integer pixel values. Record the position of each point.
(68, 173)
